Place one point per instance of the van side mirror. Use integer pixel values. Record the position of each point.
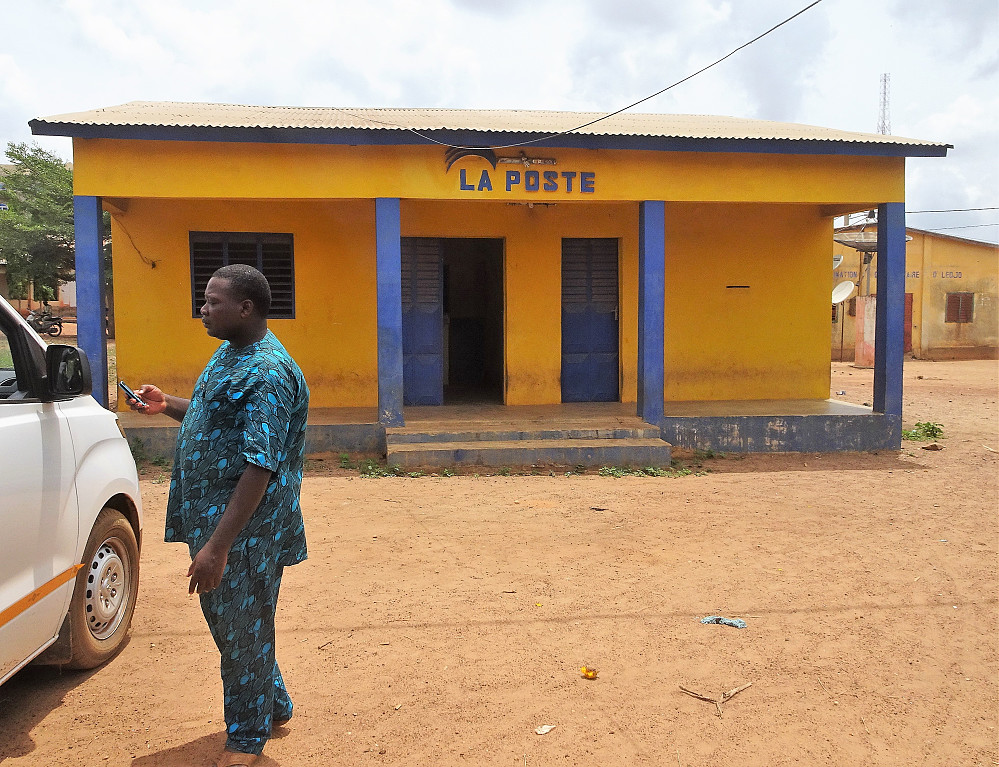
(68, 372)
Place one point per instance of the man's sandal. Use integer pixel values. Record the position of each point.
(235, 759)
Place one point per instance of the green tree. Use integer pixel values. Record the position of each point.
(36, 230)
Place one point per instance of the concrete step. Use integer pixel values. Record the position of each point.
(530, 452)
(405, 435)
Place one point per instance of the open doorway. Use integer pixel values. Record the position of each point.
(473, 320)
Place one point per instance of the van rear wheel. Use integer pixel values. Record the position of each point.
(105, 591)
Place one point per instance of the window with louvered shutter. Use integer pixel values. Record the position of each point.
(960, 307)
(272, 254)
(589, 271)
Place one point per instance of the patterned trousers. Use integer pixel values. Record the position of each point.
(240, 615)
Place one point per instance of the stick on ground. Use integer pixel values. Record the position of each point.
(725, 696)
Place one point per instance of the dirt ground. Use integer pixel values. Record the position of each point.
(441, 620)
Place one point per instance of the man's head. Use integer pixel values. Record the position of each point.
(237, 302)
(245, 282)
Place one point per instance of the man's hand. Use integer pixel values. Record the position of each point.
(153, 400)
(206, 569)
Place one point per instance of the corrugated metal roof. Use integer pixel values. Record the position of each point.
(164, 114)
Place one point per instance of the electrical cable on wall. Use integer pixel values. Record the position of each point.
(148, 261)
(608, 115)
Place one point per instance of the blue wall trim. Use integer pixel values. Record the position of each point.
(88, 222)
(651, 308)
(388, 257)
(161, 441)
(784, 434)
(735, 434)
(890, 310)
(387, 137)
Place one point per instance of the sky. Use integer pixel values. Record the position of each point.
(823, 68)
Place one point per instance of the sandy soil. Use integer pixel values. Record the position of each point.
(440, 620)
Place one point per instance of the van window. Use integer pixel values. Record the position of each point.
(8, 374)
(8, 378)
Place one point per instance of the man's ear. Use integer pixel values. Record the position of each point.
(245, 307)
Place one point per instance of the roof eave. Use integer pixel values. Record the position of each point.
(495, 139)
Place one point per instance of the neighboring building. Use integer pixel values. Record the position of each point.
(64, 303)
(951, 296)
(679, 263)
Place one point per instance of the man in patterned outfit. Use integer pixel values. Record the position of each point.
(234, 496)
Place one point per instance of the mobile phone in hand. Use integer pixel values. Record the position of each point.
(131, 394)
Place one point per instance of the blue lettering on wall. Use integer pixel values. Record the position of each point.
(534, 181)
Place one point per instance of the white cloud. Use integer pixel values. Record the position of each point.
(823, 68)
(124, 43)
(15, 85)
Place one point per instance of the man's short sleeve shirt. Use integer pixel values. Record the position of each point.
(249, 405)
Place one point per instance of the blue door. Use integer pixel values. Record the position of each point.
(589, 320)
(422, 321)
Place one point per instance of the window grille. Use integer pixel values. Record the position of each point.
(960, 307)
(272, 254)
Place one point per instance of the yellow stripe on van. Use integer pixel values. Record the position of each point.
(38, 594)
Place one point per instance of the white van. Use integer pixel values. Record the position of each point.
(70, 512)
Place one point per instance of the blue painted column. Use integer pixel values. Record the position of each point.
(388, 261)
(651, 309)
(88, 221)
(890, 317)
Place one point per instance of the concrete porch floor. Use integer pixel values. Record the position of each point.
(567, 415)
(585, 415)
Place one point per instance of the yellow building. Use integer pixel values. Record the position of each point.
(424, 258)
(951, 296)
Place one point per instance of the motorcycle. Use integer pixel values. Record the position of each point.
(43, 322)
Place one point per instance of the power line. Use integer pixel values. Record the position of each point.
(864, 215)
(949, 210)
(611, 114)
(969, 226)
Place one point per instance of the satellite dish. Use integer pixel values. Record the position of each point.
(837, 260)
(843, 291)
(866, 242)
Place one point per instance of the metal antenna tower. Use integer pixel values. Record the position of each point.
(884, 114)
